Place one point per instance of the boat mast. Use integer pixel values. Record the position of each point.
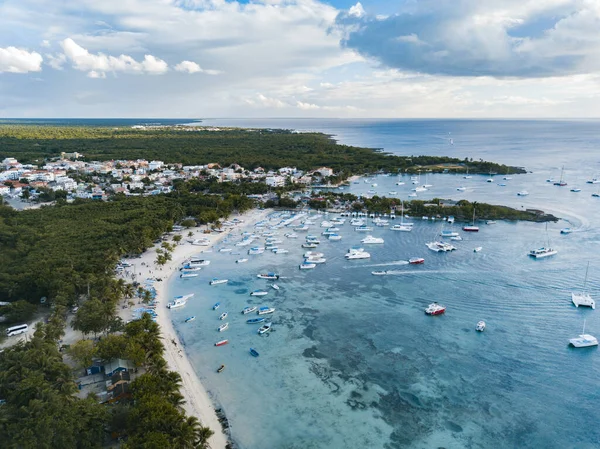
(586, 277)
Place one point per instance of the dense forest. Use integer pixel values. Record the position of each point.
(270, 149)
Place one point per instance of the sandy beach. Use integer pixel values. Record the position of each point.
(197, 400)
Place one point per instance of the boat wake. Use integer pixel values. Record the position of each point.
(398, 262)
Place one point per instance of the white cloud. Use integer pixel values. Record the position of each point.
(100, 63)
(94, 74)
(307, 106)
(45, 43)
(17, 60)
(357, 10)
(192, 67)
(56, 61)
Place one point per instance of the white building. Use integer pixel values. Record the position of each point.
(275, 181)
(324, 171)
(155, 165)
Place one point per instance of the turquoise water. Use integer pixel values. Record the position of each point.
(353, 362)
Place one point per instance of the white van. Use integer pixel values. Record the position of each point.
(16, 330)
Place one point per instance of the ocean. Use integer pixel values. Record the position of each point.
(353, 361)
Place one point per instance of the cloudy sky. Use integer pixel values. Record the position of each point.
(300, 58)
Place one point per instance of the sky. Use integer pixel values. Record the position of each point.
(300, 58)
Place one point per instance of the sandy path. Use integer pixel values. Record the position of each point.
(197, 401)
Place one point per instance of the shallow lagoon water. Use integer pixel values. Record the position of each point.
(353, 361)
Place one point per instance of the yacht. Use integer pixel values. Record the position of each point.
(265, 328)
(490, 222)
(392, 192)
(225, 250)
(309, 245)
(363, 229)
(401, 227)
(249, 309)
(188, 275)
(480, 326)
(440, 246)
(186, 269)
(435, 309)
(259, 293)
(335, 237)
(223, 327)
(312, 254)
(561, 182)
(307, 266)
(372, 240)
(223, 316)
(576, 189)
(178, 302)
(316, 260)
(265, 310)
(216, 281)
(457, 238)
(357, 222)
(594, 181)
(291, 235)
(280, 250)
(566, 230)
(302, 228)
(241, 261)
(416, 261)
(198, 262)
(472, 227)
(256, 250)
(523, 193)
(420, 189)
(583, 298)
(379, 273)
(476, 250)
(449, 234)
(400, 183)
(357, 253)
(584, 340)
(461, 189)
(269, 276)
(540, 253)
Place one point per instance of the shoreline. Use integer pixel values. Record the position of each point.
(197, 400)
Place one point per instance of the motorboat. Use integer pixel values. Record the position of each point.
(435, 309)
(241, 261)
(309, 245)
(471, 228)
(302, 228)
(259, 293)
(400, 227)
(449, 233)
(490, 222)
(256, 250)
(225, 250)
(584, 340)
(198, 262)
(540, 253)
(216, 306)
(416, 261)
(400, 183)
(566, 230)
(265, 328)
(412, 195)
(280, 251)
(216, 281)
(307, 266)
(223, 316)
(357, 222)
(188, 275)
(357, 253)
(220, 369)
(291, 235)
(476, 250)
(312, 254)
(379, 273)
(392, 192)
(190, 318)
(335, 237)
(314, 241)
(363, 229)
(221, 343)
(249, 309)
(254, 352)
(265, 310)
(223, 327)
(255, 320)
(187, 269)
(316, 260)
(593, 181)
(451, 219)
(269, 276)
(420, 189)
(457, 238)
(275, 287)
(523, 193)
(480, 326)
(576, 189)
(368, 240)
(179, 302)
(440, 246)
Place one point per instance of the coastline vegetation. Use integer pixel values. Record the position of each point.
(250, 148)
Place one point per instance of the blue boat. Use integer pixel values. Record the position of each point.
(191, 318)
(254, 352)
(216, 306)
(255, 320)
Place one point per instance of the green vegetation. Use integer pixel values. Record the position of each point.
(270, 149)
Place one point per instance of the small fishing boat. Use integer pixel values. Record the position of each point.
(225, 250)
(523, 193)
(275, 287)
(335, 237)
(223, 327)
(255, 320)
(265, 328)
(254, 352)
(249, 309)
(457, 238)
(216, 306)
(309, 245)
(190, 318)
(259, 293)
(435, 309)
(223, 316)
(480, 326)
(315, 260)
(476, 250)
(490, 222)
(220, 369)
(188, 268)
(188, 275)
(416, 260)
(197, 262)
(378, 273)
(265, 310)
(566, 230)
(307, 266)
(216, 281)
(309, 254)
(221, 343)
(241, 261)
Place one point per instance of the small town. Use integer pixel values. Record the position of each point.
(71, 178)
